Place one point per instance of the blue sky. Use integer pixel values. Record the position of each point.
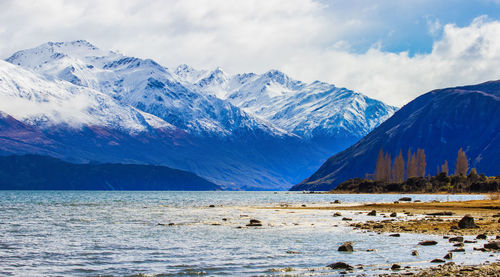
(393, 50)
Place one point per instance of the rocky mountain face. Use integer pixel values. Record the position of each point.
(440, 122)
(74, 101)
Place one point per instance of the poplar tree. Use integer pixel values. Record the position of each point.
(412, 166)
(398, 169)
(444, 167)
(408, 161)
(421, 164)
(387, 167)
(379, 168)
(462, 164)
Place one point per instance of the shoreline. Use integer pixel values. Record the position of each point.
(436, 218)
(432, 218)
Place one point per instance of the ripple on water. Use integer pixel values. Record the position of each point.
(112, 233)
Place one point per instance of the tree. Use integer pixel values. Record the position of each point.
(387, 173)
(398, 169)
(408, 160)
(444, 167)
(421, 164)
(412, 166)
(462, 164)
(379, 168)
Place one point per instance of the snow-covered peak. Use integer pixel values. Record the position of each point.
(53, 51)
(30, 98)
(145, 85)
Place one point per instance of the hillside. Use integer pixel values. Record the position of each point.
(32, 172)
(440, 122)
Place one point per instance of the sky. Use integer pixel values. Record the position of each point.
(392, 50)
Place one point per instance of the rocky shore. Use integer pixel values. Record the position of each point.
(452, 269)
(465, 226)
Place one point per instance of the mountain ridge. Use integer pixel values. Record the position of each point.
(440, 122)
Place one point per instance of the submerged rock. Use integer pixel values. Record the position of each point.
(448, 256)
(393, 215)
(346, 247)
(456, 239)
(340, 265)
(414, 253)
(337, 214)
(405, 199)
(437, 261)
(428, 242)
(395, 267)
(254, 223)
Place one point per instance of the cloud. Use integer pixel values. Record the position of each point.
(462, 56)
(345, 44)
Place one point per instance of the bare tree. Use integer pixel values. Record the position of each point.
(379, 168)
(412, 167)
(398, 169)
(421, 164)
(387, 167)
(462, 164)
(444, 167)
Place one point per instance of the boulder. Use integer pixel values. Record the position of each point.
(482, 236)
(393, 215)
(254, 223)
(336, 202)
(395, 267)
(456, 239)
(337, 214)
(448, 256)
(458, 250)
(347, 219)
(405, 199)
(372, 213)
(395, 235)
(340, 265)
(346, 247)
(494, 245)
(459, 244)
(211, 206)
(467, 222)
(414, 253)
(437, 261)
(428, 242)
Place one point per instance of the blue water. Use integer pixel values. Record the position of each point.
(87, 233)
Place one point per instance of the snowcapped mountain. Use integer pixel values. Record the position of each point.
(38, 102)
(316, 110)
(76, 102)
(143, 84)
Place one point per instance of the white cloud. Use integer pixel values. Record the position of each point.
(306, 39)
(462, 56)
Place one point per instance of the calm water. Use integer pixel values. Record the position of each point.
(117, 233)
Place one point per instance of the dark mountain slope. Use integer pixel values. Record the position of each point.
(33, 172)
(440, 122)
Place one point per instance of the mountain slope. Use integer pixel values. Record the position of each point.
(33, 172)
(143, 84)
(440, 122)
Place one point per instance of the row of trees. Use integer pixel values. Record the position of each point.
(388, 171)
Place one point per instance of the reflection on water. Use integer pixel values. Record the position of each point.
(177, 233)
